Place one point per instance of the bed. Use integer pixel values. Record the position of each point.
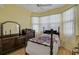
(44, 44)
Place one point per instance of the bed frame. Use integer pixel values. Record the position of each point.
(51, 41)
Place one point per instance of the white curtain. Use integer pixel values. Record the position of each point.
(68, 20)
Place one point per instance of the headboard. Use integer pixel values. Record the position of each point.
(51, 31)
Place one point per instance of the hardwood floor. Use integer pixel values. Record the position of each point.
(61, 51)
(18, 52)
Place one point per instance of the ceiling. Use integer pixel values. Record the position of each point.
(40, 7)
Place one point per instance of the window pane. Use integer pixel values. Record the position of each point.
(68, 28)
(68, 15)
(54, 26)
(35, 20)
(44, 19)
(68, 18)
(36, 27)
(44, 27)
(55, 18)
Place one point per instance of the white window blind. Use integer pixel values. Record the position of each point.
(68, 18)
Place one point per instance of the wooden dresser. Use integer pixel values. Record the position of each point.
(9, 44)
(13, 42)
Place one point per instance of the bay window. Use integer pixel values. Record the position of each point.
(53, 22)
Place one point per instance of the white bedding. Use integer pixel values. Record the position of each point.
(37, 49)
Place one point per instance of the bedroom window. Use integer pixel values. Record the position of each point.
(55, 21)
(50, 22)
(44, 23)
(68, 20)
(35, 23)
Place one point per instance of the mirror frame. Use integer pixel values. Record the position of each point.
(2, 24)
